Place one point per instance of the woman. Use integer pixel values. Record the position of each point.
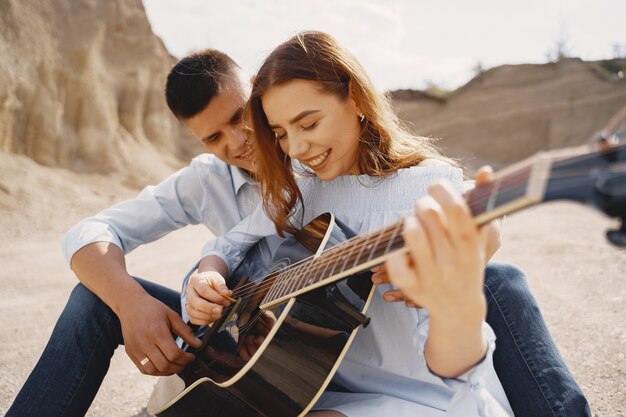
(313, 103)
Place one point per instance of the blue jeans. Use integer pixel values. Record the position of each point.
(73, 364)
(528, 363)
(76, 359)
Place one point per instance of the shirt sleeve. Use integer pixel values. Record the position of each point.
(177, 201)
(477, 389)
(233, 246)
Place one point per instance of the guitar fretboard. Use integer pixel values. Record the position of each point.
(365, 251)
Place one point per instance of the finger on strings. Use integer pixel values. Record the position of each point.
(428, 240)
(484, 175)
(400, 272)
(460, 224)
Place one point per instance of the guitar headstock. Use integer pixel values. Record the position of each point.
(594, 175)
(597, 178)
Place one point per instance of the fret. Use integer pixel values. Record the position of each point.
(292, 282)
(493, 195)
(272, 288)
(510, 194)
(477, 204)
(363, 247)
(306, 272)
(347, 255)
(284, 278)
(323, 260)
(314, 271)
(341, 253)
(333, 261)
(503, 190)
(513, 187)
(270, 295)
(380, 236)
(397, 229)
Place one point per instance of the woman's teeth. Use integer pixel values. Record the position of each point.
(314, 163)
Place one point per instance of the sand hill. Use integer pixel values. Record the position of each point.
(510, 112)
(81, 95)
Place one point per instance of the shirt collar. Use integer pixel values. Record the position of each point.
(240, 178)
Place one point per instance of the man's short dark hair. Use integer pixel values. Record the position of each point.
(195, 80)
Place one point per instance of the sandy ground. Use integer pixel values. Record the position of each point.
(579, 279)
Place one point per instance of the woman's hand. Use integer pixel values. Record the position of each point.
(444, 273)
(206, 297)
(484, 175)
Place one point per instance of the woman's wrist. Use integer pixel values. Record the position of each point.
(456, 314)
(455, 341)
(213, 263)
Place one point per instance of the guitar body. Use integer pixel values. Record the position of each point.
(303, 342)
(279, 343)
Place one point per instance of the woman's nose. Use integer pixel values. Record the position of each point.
(298, 146)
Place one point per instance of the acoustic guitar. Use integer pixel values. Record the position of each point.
(308, 305)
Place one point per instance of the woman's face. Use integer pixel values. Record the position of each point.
(319, 129)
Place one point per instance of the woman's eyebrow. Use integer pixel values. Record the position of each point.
(297, 118)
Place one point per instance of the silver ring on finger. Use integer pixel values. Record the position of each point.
(144, 361)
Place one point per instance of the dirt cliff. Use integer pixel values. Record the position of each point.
(81, 87)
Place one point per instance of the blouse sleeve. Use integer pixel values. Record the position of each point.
(474, 390)
(233, 246)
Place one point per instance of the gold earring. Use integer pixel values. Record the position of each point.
(361, 117)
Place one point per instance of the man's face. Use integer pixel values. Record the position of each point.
(219, 126)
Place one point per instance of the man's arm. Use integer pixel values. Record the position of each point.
(157, 210)
(146, 322)
(95, 249)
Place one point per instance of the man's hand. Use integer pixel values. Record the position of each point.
(147, 324)
(206, 297)
(147, 327)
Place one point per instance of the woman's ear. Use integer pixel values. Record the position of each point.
(353, 96)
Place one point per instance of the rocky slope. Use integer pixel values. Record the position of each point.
(81, 87)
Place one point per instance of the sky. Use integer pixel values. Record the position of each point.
(401, 43)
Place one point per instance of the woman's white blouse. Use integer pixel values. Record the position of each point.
(385, 367)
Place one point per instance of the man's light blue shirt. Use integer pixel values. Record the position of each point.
(207, 191)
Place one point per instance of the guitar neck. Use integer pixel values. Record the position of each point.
(565, 174)
(518, 187)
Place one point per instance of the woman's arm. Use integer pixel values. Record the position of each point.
(492, 230)
(443, 273)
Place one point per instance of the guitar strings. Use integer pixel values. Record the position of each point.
(282, 277)
(284, 280)
(330, 256)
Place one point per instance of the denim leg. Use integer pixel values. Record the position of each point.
(528, 363)
(73, 364)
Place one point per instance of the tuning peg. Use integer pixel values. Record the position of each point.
(617, 236)
(604, 141)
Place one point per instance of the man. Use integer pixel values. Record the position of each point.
(207, 91)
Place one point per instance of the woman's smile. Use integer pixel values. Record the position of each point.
(317, 161)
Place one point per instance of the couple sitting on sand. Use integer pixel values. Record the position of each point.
(455, 335)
